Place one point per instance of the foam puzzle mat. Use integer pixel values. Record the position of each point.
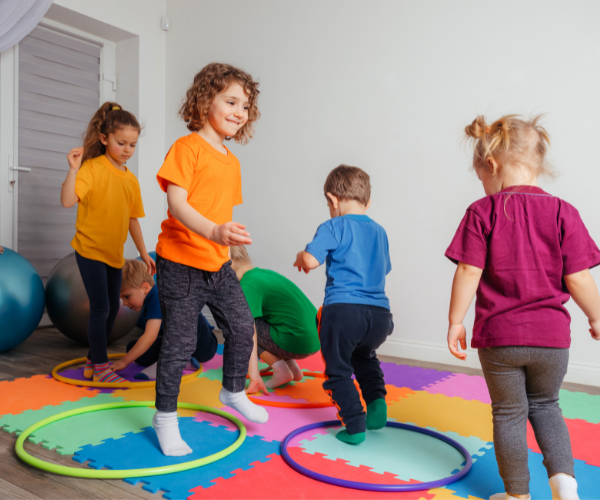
(453, 404)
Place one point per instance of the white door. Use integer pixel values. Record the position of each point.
(58, 93)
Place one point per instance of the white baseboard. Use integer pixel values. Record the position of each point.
(578, 373)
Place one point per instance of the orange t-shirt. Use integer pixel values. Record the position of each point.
(214, 184)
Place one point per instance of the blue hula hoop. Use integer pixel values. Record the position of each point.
(378, 487)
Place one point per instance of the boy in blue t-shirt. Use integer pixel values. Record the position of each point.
(138, 292)
(355, 318)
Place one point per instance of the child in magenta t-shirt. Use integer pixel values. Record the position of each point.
(524, 252)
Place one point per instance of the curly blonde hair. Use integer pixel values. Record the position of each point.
(211, 80)
(511, 139)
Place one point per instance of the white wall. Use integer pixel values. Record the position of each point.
(134, 26)
(389, 86)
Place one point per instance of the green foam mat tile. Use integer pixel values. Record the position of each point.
(70, 435)
(406, 454)
(579, 405)
(18, 423)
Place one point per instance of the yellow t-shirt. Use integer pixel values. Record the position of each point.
(214, 184)
(108, 198)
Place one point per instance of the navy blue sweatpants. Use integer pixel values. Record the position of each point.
(350, 334)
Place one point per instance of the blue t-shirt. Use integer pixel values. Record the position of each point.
(150, 310)
(357, 254)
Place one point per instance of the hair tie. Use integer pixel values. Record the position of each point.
(115, 107)
(487, 130)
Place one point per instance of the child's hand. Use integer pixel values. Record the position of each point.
(231, 234)
(1, 250)
(595, 329)
(118, 366)
(456, 334)
(300, 264)
(149, 261)
(256, 386)
(74, 157)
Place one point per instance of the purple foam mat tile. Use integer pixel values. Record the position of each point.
(412, 377)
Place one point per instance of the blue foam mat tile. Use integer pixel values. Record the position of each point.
(484, 479)
(141, 450)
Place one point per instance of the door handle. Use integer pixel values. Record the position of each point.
(20, 169)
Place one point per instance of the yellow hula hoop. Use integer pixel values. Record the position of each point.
(108, 385)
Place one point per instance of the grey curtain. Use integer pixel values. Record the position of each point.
(18, 18)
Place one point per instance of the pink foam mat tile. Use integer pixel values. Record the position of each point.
(281, 422)
(467, 387)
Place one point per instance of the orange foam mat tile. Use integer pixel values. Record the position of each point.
(312, 391)
(467, 418)
(36, 392)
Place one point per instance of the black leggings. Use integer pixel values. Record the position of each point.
(103, 286)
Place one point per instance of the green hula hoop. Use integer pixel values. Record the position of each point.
(121, 474)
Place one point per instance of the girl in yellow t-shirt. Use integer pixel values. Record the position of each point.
(110, 204)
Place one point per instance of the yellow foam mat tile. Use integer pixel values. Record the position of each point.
(200, 391)
(467, 418)
(445, 494)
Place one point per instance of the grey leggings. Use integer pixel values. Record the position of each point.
(183, 291)
(524, 384)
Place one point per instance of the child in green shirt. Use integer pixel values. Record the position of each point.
(284, 320)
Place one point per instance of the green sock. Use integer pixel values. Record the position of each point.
(376, 414)
(357, 438)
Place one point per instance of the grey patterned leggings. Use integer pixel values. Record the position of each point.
(524, 384)
(183, 291)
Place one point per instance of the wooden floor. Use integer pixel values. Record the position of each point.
(38, 355)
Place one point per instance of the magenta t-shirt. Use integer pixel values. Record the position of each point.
(525, 240)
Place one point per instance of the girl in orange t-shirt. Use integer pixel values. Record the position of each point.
(202, 180)
(110, 203)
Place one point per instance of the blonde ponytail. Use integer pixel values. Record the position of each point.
(510, 139)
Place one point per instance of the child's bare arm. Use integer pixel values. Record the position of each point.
(305, 262)
(584, 291)
(464, 286)
(136, 234)
(68, 197)
(228, 234)
(141, 346)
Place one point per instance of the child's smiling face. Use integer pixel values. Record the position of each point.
(228, 112)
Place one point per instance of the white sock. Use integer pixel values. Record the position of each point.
(167, 429)
(504, 496)
(564, 487)
(296, 371)
(240, 402)
(281, 375)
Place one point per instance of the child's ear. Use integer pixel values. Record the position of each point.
(333, 200)
(103, 139)
(493, 164)
(368, 204)
(146, 287)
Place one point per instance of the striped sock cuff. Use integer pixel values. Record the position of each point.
(100, 368)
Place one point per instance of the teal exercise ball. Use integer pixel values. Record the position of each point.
(21, 299)
(69, 307)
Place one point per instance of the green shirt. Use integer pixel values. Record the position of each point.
(282, 304)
